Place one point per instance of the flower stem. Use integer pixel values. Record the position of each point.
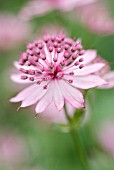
(79, 148)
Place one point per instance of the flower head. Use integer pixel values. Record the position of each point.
(58, 68)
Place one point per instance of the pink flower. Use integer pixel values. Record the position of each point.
(106, 136)
(12, 31)
(12, 149)
(40, 7)
(97, 18)
(58, 68)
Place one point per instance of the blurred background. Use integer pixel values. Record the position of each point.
(34, 143)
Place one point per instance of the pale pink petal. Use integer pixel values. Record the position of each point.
(46, 99)
(24, 93)
(109, 77)
(86, 82)
(89, 69)
(17, 79)
(58, 97)
(71, 94)
(18, 66)
(89, 56)
(38, 93)
(47, 53)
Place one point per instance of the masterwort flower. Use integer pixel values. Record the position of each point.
(57, 69)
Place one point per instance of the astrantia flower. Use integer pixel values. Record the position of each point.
(58, 68)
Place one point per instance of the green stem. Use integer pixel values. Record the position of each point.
(80, 150)
(66, 114)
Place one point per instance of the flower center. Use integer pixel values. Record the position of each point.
(47, 59)
(56, 74)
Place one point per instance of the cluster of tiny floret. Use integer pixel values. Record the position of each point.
(47, 59)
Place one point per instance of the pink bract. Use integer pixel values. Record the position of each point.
(57, 69)
(12, 31)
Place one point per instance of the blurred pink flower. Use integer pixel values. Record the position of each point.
(40, 7)
(12, 31)
(97, 18)
(106, 136)
(12, 149)
(58, 68)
